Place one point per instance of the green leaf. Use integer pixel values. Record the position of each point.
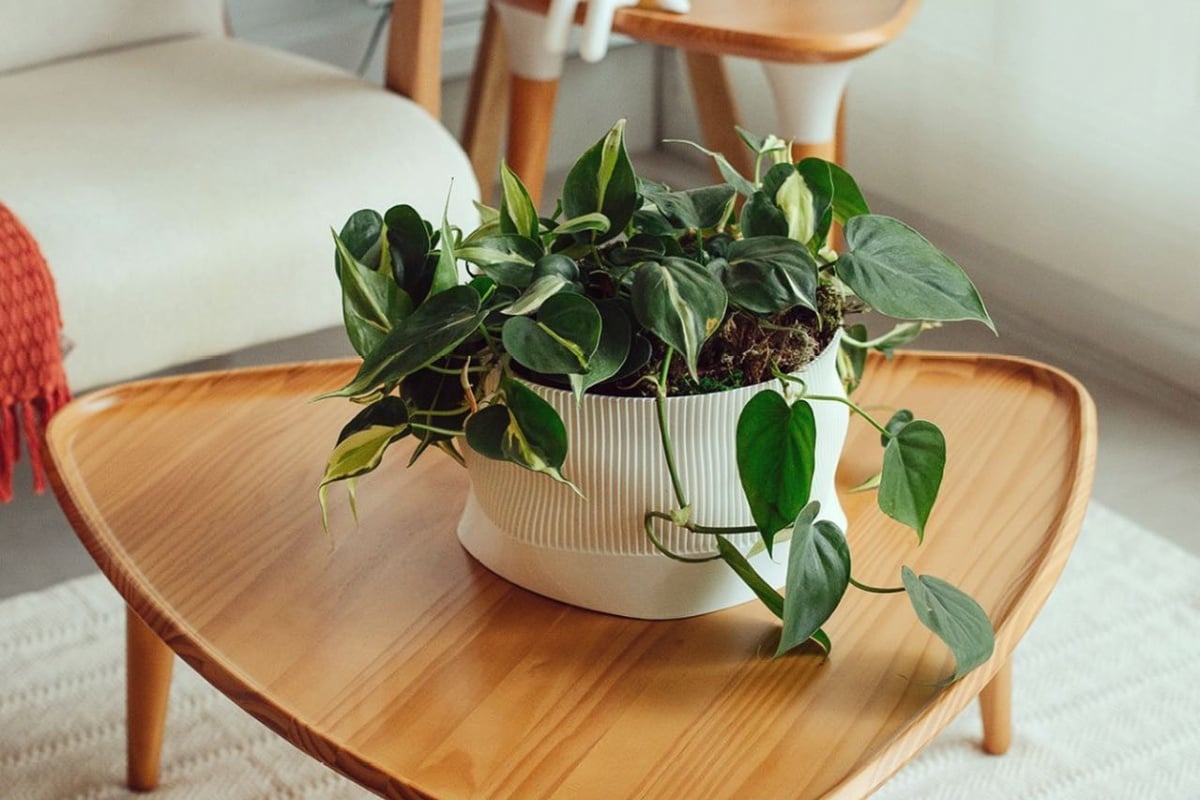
(541, 290)
(408, 245)
(713, 204)
(616, 332)
(761, 217)
(898, 272)
(677, 207)
(770, 274)
(847, 198)
(594, 221)
(370, 300)
(556, 264)
(893, 426)
(913, 462)
(504, 248)
(776, 451)
(562, 339)
(360, 452)
(603, 180)
(517, 213)
(744, 570)
(435, 328)
(818, 573)
(445, 275)
(388, 411)
(485, 431)
(954, 617)
(731, 175)
(535, 438)
(681, 302)
(361, 232)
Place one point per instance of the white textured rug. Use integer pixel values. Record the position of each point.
(1107, 700)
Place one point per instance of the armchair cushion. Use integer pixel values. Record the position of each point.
(183, 192)
(37, 31)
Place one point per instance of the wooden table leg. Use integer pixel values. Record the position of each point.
(148, 664)
(995, 704)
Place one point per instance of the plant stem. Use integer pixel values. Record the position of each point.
(660, 403)
(452, 371)
(721, 531)
(444, 431)
(855, 407)
(875, 589)
(662, 548)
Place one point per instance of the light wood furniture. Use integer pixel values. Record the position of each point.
(807, 48)
(403, 664)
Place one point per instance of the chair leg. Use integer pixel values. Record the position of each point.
(533, 90)
(487, 105)
(148, 664)
(717, 110)
(995, 703)
(807, 99)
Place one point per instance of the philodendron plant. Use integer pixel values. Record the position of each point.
(631, 288)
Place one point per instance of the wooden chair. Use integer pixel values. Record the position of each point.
(807, 47)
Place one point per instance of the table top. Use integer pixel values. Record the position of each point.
(767, 30)
(402, 663)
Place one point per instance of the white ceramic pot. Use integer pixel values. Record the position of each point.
(592, 551)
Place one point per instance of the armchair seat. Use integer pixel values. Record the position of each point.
(182, 192)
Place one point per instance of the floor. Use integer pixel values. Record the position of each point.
(1148, 469)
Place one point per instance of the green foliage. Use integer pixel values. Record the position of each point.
(626, 286)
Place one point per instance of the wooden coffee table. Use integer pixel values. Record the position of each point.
(400, 662)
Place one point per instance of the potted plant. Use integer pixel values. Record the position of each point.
(651, 385)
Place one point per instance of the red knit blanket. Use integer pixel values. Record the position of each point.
(33, 384)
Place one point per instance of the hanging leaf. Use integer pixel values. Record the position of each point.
(818, 573)
(435, 328)
(357, 454)
(562, 339)
(485, 431)
(535, 438)
(954, 617)
(603, 180)
(898, 272)
(616, 332)
(681, 302)
(388, 412)
(518, 215)
(913, 463)
(769, 274)
(776, 446)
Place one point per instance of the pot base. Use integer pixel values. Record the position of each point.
(648, 586)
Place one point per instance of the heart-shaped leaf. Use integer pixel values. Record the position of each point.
(603, 180)
(847, 199)
(818, 573)
(681, 302)
(761, 217)
(898, 272)
(913, 463)
(562, 339)
(435, 328)
(371, 301)
(901, 418)
(954, 617)
(485, 431)
(616, 332)
(535, 438)
(770, 274)
(776, 446)
(361, 233)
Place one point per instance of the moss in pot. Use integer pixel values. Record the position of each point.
(624, 317)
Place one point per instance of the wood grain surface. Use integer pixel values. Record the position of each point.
(766, 30)
(400, 662)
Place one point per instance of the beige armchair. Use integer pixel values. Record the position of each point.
(182, 184)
